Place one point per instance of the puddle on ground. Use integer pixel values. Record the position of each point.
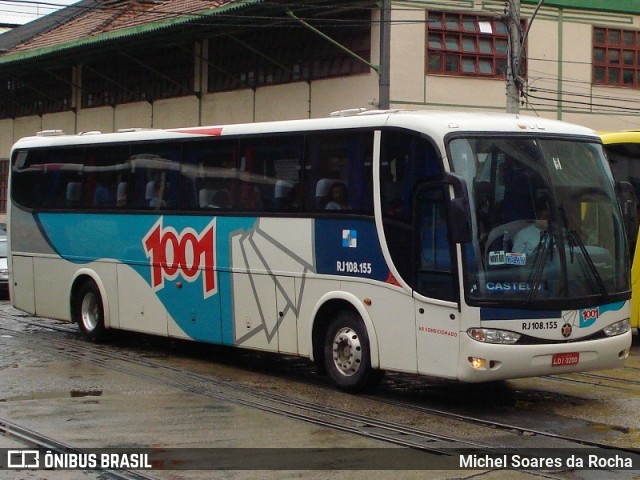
(50, 395)
(85, 393)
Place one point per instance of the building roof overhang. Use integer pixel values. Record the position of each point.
(21, 56)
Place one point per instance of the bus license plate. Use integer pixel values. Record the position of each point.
(564, 359)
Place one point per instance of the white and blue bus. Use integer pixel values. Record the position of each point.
(467, 246)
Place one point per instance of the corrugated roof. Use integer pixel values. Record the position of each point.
(29, 30)
(94, 22)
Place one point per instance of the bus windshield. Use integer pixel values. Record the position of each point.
(545, 224)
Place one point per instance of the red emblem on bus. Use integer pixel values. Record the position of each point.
(187, 254)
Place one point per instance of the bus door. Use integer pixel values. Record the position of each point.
(413, 205)
(435, 286)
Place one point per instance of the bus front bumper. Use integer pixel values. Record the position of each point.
(484, 362)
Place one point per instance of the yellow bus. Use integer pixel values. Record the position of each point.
(623, 150)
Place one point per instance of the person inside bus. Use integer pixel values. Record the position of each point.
(527, 239)
(339, 197)
(159, 193)
(121, 195)
(103, 196)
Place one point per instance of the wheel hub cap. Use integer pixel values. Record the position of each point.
(347, 351)
(89, 312)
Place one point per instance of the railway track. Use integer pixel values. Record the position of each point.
(209, 386)
(599, 380)
(132, 363)
(32, 439)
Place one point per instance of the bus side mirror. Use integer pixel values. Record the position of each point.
(459, 212)
(628, 203)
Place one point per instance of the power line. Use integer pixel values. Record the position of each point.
(531, 94)
(591, 105)
(135, 7)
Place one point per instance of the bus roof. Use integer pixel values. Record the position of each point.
(624, 136)
(435, 123)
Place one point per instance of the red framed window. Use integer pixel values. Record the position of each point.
(616, 57)
(464, 44)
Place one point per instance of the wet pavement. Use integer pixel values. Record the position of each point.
(88, 406)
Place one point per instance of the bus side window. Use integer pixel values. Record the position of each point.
(156, 172)
(26, 178)
(63, 183)
(338, 172)
(209, 174)
(104, 167)
(270, 170)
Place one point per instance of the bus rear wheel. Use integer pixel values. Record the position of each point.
(88, 312)
(347, 356)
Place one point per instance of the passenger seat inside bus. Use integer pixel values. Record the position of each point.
(282, 195)
(323, 189)
(210, 198)
(74, 194)
(205, 197)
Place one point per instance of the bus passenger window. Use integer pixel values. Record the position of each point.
(270, 169)
(105, 166)
(208, 175)
(156, 176)
(338, 173)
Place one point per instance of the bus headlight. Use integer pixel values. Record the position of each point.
(617, 328)
(492, 335)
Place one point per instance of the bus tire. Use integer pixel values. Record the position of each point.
(347, 356)
(88, 312)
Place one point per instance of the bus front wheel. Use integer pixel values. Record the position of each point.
(88, 312)
(347, 356)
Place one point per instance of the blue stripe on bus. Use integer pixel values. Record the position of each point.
(586, 316)
(120, 237)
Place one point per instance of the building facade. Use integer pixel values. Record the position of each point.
(115, 64)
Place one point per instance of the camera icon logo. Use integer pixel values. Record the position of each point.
(23, 459)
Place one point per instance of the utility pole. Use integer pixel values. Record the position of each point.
(384, 78)
(513, 63)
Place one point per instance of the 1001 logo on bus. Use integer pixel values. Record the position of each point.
(588, 316)
(187, 254)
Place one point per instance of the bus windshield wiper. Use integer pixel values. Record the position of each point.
(575, 241)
